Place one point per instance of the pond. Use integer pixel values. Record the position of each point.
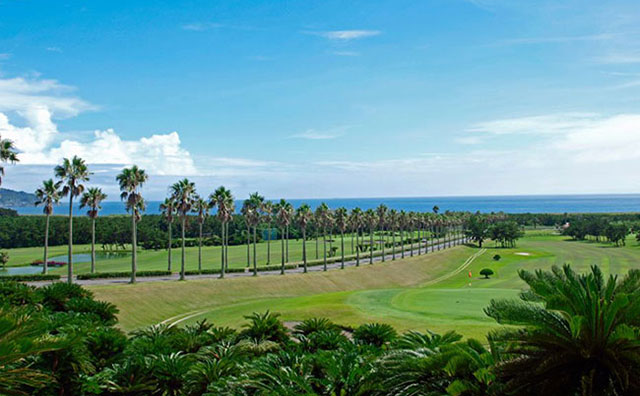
(29, 269)
(86, 257)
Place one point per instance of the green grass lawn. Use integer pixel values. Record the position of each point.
(426, 292)
(157, 259)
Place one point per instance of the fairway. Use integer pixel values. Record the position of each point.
(432, 291)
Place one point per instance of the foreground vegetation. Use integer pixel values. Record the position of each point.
(567, 334)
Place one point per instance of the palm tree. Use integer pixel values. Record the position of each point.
(402, 220)
(223, 200)
(7, 154)
(304, 215)
(168, 209)
(201, 208)
(571, 334)
(381, 211)
(267, 210)
(322, 215)
(393, 224)
(284, 212)
(370, 220)
(72, 173)
(356, 225)
(92, 199)
(130, 181)
(254, 220)
(341, 218)
(184, 194)
(47, 196)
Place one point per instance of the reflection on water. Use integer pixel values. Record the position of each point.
(36, 269)
(86, 257)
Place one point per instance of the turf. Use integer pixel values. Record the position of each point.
(432, 291)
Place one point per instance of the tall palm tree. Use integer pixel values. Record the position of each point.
(222, 199)
(341, 219)
(130, 181)
(284, 213)
(47, 196)
(7, 154)
(168, 209)
(201, 208)
(381, 211)
(356, 225)
(403, 219)
(267, 211)
(370, 219)
(411, 223)
(72, 173)
(184, 194)
(92, 199)
(393, 224)
(304, 215)
(254, 220)
(322, 215)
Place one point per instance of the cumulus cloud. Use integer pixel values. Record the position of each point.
(36, 103)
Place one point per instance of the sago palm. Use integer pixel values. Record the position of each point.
(130, 181)
(48, 195)
(92, 199)
(72, 173)
(575, 334)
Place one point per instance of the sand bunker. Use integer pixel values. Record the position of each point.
(523, 254)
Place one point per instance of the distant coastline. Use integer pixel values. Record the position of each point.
(595, 203)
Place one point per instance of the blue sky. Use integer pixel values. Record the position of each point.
(327, 98)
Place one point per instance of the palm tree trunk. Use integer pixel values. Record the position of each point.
(393, 245)
(170, 242)
(383, 243)
(46, 246)
(287, 243)
(402, 242)
(184, 220)
(222, 251)
(371, 246)
(342, 248)
(200, 248)
(324, 247)
(133, 248)
(93, 245)
(316, 245)
(304, 249)
(255, 263)
(248, 246)
(411, 242)
(70, 251)
(282, 247)
(352, 242)
(226, 247)
(357, 247)
(269, 245)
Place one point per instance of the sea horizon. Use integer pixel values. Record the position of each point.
(539, 203)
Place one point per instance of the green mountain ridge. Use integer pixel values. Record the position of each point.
(11, 198)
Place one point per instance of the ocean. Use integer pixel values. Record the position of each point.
(508, 204)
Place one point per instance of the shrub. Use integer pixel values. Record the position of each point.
(486, 272)
(376, 334)
(497, 257)
(125, 274)
(30, 277)
(275, 267)
(264, 327)
(213, 271)
(16, 293)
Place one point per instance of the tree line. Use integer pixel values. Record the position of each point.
(568, 334)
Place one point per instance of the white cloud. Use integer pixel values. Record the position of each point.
(312, 134)
(620, 58)
(37, 102)
(536, 125)
(346, 35)
(201, 26)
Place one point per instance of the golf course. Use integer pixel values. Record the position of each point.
(438, 291)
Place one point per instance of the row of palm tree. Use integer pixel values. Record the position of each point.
(183, 202)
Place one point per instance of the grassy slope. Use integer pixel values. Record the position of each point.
(400, 293)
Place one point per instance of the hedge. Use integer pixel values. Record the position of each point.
(213, 271)
(275, 267)
(30, 277)
(108, 275)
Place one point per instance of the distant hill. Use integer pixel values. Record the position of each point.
(12, 198)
